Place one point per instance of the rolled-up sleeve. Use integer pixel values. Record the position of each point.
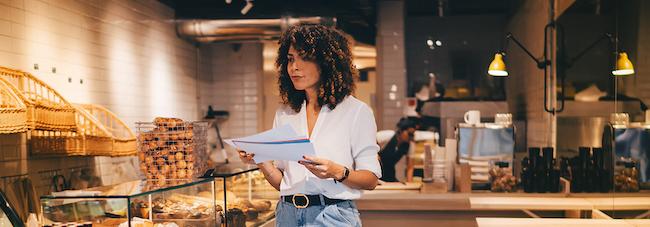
(364, 141)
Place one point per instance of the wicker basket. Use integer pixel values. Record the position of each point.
(55, 143)
(172, 150)
(46, 108)
(90, 138)
(96, 139)
(124, 143)
(13, 111)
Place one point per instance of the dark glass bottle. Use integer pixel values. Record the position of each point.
(526, 175)
(576, 172)
(541, 175)
(533, 158)
(589, 172)
(565, 168)
(598, 173)
(549, 163)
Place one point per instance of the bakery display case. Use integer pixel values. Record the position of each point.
(144, 202)
(248, 198)
(230, 195)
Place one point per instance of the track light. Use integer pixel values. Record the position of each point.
(247, 7)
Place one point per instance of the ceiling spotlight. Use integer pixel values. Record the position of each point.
(247, 7)
(429, 42)
(228, 1)
(438, 43)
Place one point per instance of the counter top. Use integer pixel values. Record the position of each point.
(573, 222)
(415, 200)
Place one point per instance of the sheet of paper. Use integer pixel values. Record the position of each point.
(280, 143)
(278, 151)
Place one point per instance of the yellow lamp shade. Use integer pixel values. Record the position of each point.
(624, 66)
(498, 67)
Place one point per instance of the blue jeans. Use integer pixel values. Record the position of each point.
(339, 214)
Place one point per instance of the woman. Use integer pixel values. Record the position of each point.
(316, 85)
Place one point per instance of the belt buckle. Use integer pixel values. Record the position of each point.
(293, 200)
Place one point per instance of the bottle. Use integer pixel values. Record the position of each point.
(598, 170)
(581, 169)
(549, 163)
(541, 175)
(590, 177)
(526, 175)
(565, 168)
(533, 157)
(576, 185)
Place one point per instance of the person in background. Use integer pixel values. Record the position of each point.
(396, 148)
(316, 85)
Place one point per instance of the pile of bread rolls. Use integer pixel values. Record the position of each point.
(168, 150)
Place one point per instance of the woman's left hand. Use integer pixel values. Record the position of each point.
(323, 168)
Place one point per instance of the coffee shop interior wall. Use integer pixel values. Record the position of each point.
(391, 63)
(467, 48)
(525, 85)
(634, 24)
(129, 58)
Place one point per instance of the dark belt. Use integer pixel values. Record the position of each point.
(304, 201)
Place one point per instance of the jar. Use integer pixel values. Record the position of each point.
(501, 178)
(626, 178)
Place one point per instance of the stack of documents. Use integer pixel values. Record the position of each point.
(280, 143)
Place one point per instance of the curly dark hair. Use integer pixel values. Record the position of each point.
(328, 48)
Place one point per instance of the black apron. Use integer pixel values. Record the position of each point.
(389, 156)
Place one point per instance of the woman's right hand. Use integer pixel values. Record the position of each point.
(247, 157)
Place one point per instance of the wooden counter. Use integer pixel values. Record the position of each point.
(413, 208)
(555, 222)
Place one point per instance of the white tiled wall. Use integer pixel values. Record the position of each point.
(236, 75)
(391, 63)
(526, 82)
(126, 52)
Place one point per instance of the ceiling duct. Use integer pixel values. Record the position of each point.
(242, 29)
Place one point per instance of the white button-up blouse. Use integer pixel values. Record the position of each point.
(345, 135)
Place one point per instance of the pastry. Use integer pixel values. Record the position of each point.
(165, 169)
(205, 194)
(229, 195)
(148, 160)
(160, 143)
(182, 173)
(153, 169)
(163, 153)
(261, 205)
(179, 156)
(174, 136)
(171, 158)
(162, 180)
(160, 161)
(181, 164)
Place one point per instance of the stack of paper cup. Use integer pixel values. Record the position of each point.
(428, 163)
(439, 164)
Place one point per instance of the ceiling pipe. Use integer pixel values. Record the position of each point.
(242, 29)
